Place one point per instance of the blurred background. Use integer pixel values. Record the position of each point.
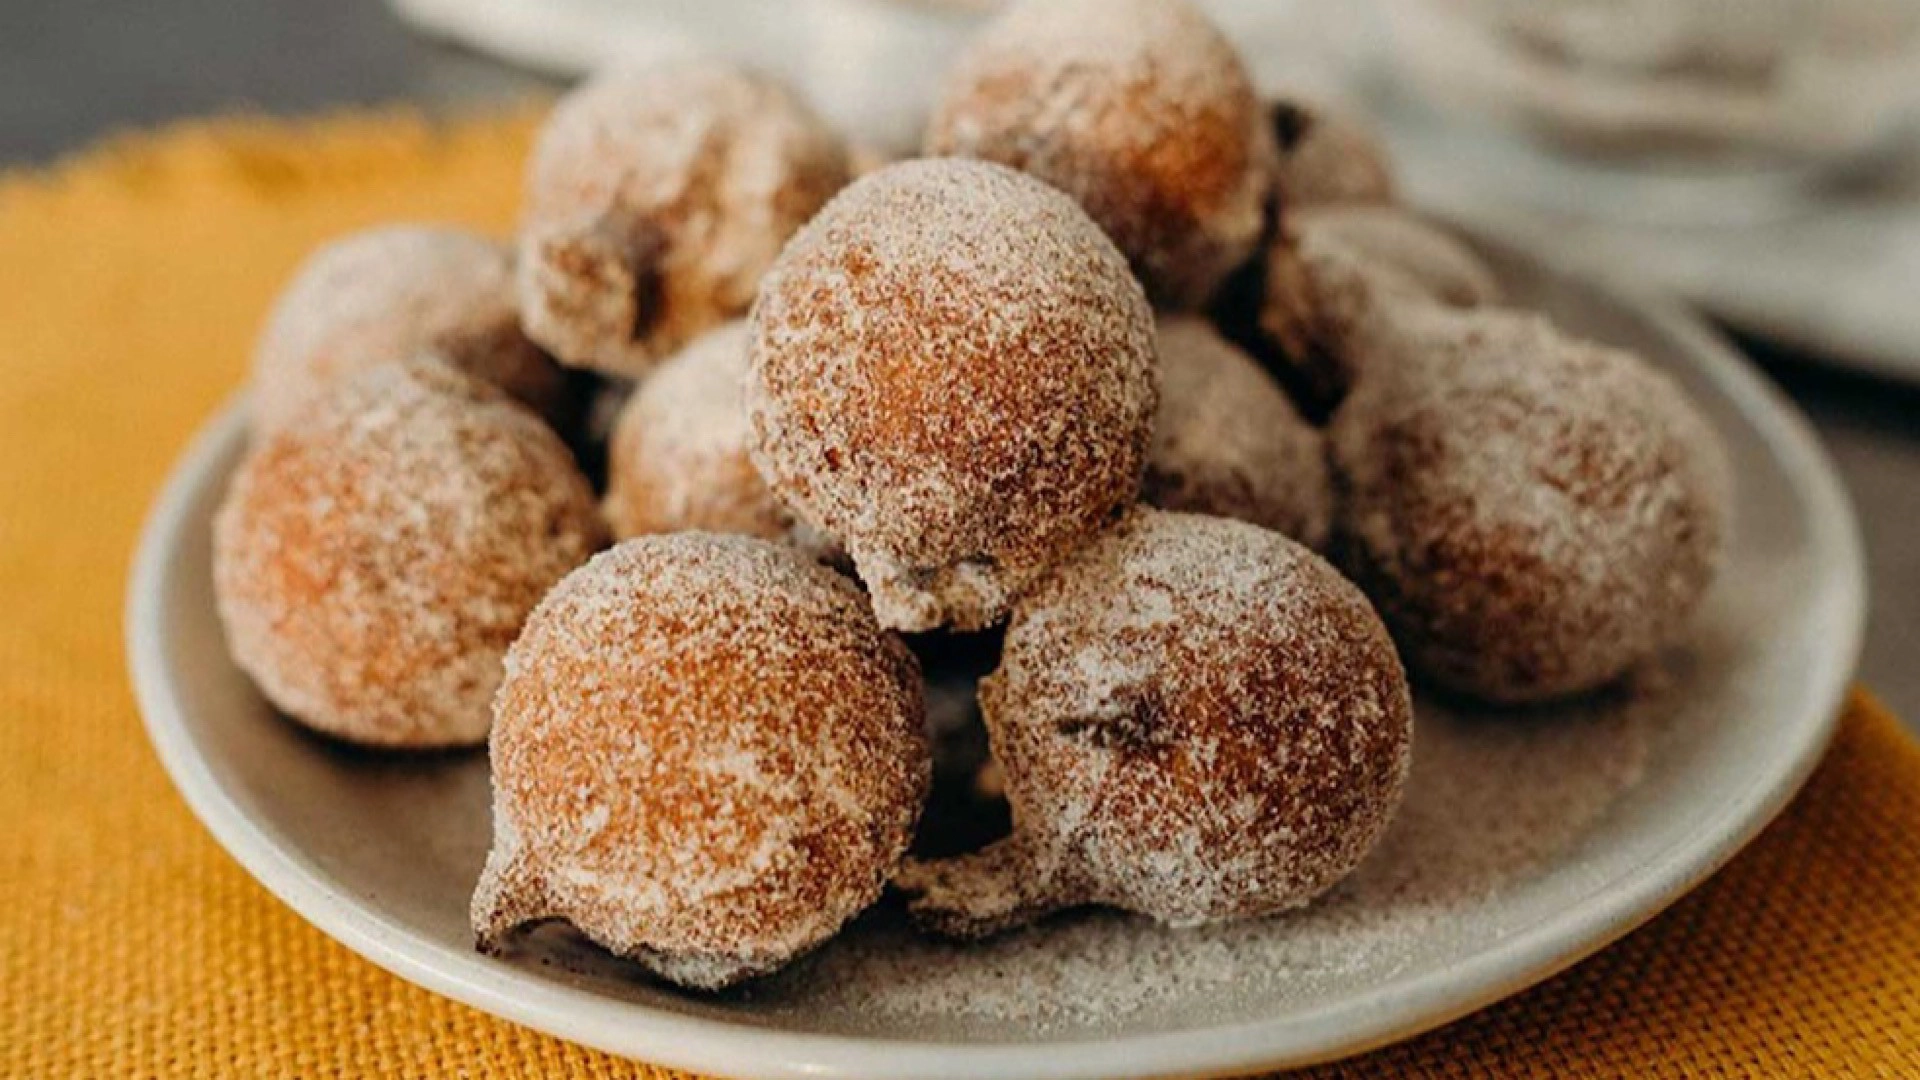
(1759, 158)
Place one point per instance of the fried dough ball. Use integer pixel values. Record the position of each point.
(1340, 273)
(707, 757)
(377, 553)
(1533, 514)
(1228, 442)
(655, 200)
(390, 293)
(1198, 720)
(679, 461)
(1141, 110)
(953, 374)
(679, 458)
(1326, 157)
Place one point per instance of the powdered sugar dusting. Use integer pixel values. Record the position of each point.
(1197, 719)
(707, 756)
(656, 198)
(388, 294)
(679, 458)
(378, 552)
(1490, 800)
(953, 370)
(1337, 277)
(1141, 110)
(1532, 513)
(1228, 442)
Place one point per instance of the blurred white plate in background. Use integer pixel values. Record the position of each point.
(1838, 277)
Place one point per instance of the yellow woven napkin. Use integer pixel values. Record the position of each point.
(131, 283)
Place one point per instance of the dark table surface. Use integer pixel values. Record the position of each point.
(71, 70)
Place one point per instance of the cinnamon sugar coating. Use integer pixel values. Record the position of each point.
(679, 458)
(377, 553)
(655, 200)
(1326, 157)
(1533, 514)
(390, 293)
(1337, 274)
(1198, 720)
(707, 756)
(1228, 442)
(953, 374)
(1141, 110)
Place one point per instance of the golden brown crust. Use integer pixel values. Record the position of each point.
(1141, 110)
(391, 293)
(679, 457)
(1197, 720)
(1227, 442)
(707, 756)
(1334, 275)
(1532, 513)
(953, 373)
(376, 555)
(655, 200)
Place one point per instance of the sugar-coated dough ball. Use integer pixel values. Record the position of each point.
(1141, 110)
(1228, 442)
(655, 200)
(707, 756)
(1197, 720)
(953, 374)
(1326, 157)
(1533, 514)
(679, 459)
(391, 293)
(377, 553)
(1337, 274)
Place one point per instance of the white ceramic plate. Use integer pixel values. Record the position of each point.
(1636, 800)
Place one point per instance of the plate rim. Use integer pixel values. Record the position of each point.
(1380, 1015)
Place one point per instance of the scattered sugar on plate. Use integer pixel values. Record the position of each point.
(1492, 798)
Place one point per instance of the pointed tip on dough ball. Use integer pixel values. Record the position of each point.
(1196, 719)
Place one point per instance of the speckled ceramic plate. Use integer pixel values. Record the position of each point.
(1528, 841)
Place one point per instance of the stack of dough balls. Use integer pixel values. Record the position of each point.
(1153, 377)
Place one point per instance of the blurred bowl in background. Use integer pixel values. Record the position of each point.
(1682, 110)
